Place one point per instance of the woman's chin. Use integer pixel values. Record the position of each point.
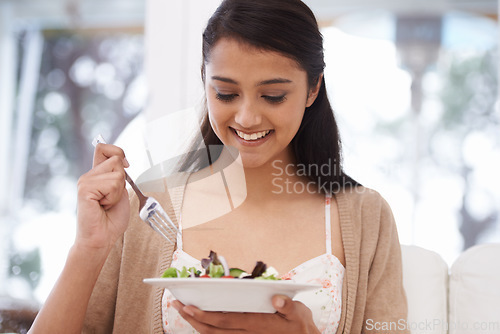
(251, 163)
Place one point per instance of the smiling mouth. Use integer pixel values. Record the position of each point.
(252, 136)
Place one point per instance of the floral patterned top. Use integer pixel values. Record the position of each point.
(325, 302)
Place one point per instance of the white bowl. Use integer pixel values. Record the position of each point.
(229, 295)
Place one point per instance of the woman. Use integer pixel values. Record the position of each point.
(266, 97)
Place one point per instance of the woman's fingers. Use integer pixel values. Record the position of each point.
(287, 307)
(104, 152)
(223, 322)
(295, 314)
(103, 208)
(104, 179)
(209, 322)
(105, 182)
(105, 188)
(292, 317)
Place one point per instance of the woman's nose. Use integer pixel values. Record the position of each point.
(248, 115)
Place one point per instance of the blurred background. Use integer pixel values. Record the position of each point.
(414, 86)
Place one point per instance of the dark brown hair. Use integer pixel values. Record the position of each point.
(290, 28)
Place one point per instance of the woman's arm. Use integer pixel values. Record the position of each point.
(103, 214)
(64, 309)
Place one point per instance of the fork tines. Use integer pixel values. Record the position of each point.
(158, 223)
(159, 220)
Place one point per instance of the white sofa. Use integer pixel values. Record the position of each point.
(458, 300)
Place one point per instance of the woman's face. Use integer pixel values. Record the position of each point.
(256, 100)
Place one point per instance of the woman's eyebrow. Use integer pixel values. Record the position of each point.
(274, 81)
(218, 78)
(265, 82)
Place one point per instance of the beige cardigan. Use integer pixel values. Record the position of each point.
(372, 294)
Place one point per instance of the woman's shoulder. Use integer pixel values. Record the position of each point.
(360, 197)
(364, 208)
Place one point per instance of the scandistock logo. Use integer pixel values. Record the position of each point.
(285, 181)
(215, 177)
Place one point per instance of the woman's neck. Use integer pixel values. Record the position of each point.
(276, 179)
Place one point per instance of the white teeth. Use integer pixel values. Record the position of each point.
(253, 136)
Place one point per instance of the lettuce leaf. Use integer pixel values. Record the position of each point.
(216, 270)
(170, 272)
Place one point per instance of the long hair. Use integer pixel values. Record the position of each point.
(290, 28)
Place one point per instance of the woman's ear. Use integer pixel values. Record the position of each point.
(314, 91)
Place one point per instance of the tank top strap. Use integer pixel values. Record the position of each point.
(179, 234)
(328, 224)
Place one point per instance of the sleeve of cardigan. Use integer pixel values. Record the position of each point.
(386, 305)
(101, 309)
(100, 314)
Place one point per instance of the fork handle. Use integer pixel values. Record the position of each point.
(138, 192)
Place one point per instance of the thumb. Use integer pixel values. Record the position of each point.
(283, 305)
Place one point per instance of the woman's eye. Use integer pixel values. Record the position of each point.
(275, 99)
(225, 97)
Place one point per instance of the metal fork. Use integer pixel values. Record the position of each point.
(150, 209)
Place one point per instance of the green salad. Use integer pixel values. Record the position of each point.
(216, 267)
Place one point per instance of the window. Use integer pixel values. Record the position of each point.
(416, 100)
(71, 86)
